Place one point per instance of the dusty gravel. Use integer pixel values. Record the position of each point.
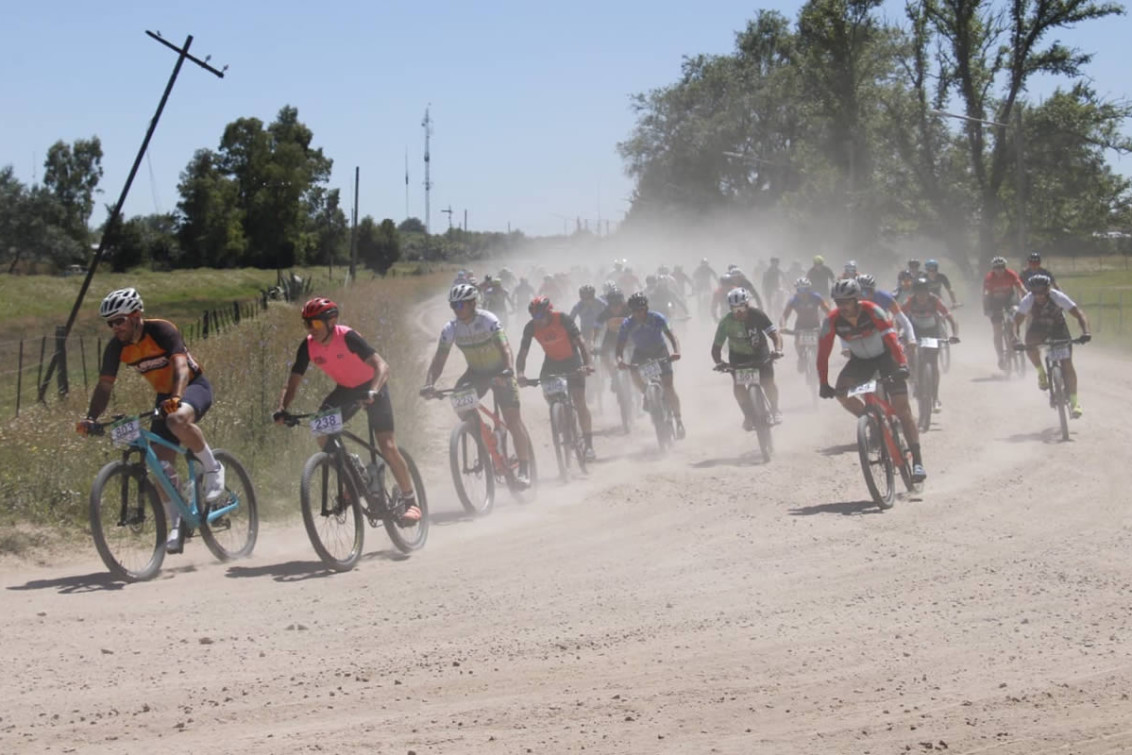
(700, 602)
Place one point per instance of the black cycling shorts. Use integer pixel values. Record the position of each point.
(506, 396)
(575, 380)
(858, 371)
(198, 395)
(380, 411)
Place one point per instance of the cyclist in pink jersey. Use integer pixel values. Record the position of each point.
(361, 377)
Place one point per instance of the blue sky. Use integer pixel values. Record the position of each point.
(528, 99)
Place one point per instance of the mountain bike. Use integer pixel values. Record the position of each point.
(622, 388)
(338, 494)
(663, 420)
(881, 444)
(945, 342)
(806, 341)
(926, 381)
(565, 429)
(480, 453)
(1056, 351)
(127, 517)
(1014, 359)
(748, 377)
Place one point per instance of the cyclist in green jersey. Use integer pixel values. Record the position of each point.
(748, 333)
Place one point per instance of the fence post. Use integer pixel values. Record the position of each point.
(42, 352)
(1120, 315)
(236, 310)
(61, 363)
(1100, 311)
(20, 377)
(204, 326)
(82, 355)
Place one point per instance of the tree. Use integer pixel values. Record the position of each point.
(140, 240)
(210, 217)
(379, 246)
(71, 174)
(411, 225)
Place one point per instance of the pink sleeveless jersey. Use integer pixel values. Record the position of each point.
(342, 365)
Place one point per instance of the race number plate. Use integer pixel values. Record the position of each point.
(863, 388)
(125, 431)
(929, 343)
(553, 386)
(464, 399)
(1062, 351)
(328, 422)
(807, 338)
(747, 378)
(650, 370)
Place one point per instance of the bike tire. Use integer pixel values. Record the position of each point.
(131, 546)
(1060, 401)
(659, 420)
(625, 404)
(338, 535)
(522, 495)
(558, 433)
(904, 465)
(412, 537)
(925, 392)
(876, 466)
(762, 421)
(945, 355)
(473, 473)
(579, 441)
(234, 534)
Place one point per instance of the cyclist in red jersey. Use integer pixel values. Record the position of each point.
(566, 354)
(360, 375)
(999, 289)
(874, 347)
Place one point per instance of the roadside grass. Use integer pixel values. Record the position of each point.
(46, 468)
(1106, 299)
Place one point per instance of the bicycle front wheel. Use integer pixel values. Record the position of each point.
(925, 392)
(559, 432)
(472, 470)
(1059, 399)
(578, 440)
(876, 465)
(127, 522)
(232, 534)
(332, 512)
(409, 536)
(659, 417)
(904, 463)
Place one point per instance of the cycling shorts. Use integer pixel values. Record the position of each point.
(380, 411)
(198, 395)
(858, 371)
(1036, 335)
(995, 307)
(507, 395)
(641, 356)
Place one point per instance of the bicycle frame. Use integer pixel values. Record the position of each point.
(872, 398)
(488, 435)
(189, 510)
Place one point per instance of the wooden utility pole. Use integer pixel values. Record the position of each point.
(182, 56)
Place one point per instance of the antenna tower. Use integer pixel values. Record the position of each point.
(427, 125)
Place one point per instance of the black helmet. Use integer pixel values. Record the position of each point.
(1035, 257)
(921, 284)
(638, 300)
(1039, 281)
(586, 291)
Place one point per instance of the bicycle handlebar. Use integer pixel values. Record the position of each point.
(727, 368)
(99, 428)
(1052, 342)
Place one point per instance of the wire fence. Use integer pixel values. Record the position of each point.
(24, 362)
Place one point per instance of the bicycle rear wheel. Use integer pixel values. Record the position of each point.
(232, 534)
(521, 494)
(472, 470)
(1058, 398)
(410, 536)
(624, 403)
(876, 465)
(332, 512)
(127, 522)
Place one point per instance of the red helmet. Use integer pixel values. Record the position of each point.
(319, 308)
(540, 305)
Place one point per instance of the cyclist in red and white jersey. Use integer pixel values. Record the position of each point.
(1000, 287)
(868, 332)
(1046, 308)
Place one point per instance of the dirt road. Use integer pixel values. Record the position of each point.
(701, 602)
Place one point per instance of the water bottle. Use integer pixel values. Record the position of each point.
(374, 474)
(171, 473)
(362, 473)
(500, 438)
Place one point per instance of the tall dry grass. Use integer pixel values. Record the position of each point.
(46, 468)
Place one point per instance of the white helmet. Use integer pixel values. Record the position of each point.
(124, 301)
(847, 288)
(737, 297)
(463, 292)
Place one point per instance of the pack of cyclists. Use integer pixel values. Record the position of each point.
(875, 329)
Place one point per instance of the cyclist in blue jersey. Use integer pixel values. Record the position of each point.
(585, 312)
(647, 330)
(807, 304)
